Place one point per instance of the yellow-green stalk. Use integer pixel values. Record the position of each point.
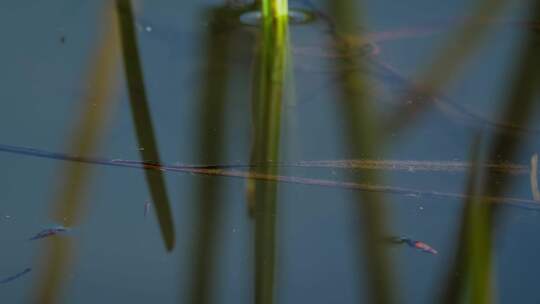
(268, 100)
(68, 206)
(274, 8)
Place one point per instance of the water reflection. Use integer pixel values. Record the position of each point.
(68, 209)
(423, 167)
(475, 243)
(361, 133)
(222, 38)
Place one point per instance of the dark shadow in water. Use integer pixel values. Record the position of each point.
(217, 48)
(475, 248)
(143, 121)
(361, 133)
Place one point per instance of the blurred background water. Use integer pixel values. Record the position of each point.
(121, 255)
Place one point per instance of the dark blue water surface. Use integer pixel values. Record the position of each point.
(119, 254)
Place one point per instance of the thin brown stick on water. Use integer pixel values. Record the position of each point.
(411, 165)
(232, 172)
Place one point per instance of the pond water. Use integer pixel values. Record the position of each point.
(172, 234)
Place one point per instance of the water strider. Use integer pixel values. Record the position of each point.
(413, 243)
(15, 276)
(49, 232)
(42, 234)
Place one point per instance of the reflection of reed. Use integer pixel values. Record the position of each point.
(59, 254)
(468, 38)
(418, 96)
(446, 65)
(213, 102)
(519, 105)
(362, 136)
(142, 120)
(473, 258)
(473, 253)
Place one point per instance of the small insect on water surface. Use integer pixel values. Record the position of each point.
(413, 243)
(15, 276)
(49, 232)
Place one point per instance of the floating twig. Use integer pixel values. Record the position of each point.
(215, 171)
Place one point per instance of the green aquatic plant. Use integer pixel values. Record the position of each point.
(271, 68)
(274, 8)
(362, 133)
(142, 120)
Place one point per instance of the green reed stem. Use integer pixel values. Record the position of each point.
(142, 119)
(274, 8)
(269, 84)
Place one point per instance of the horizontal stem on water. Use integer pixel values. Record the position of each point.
(231, 172)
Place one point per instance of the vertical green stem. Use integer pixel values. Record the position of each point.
(142, 120)
(268, 98)
(274, 8)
